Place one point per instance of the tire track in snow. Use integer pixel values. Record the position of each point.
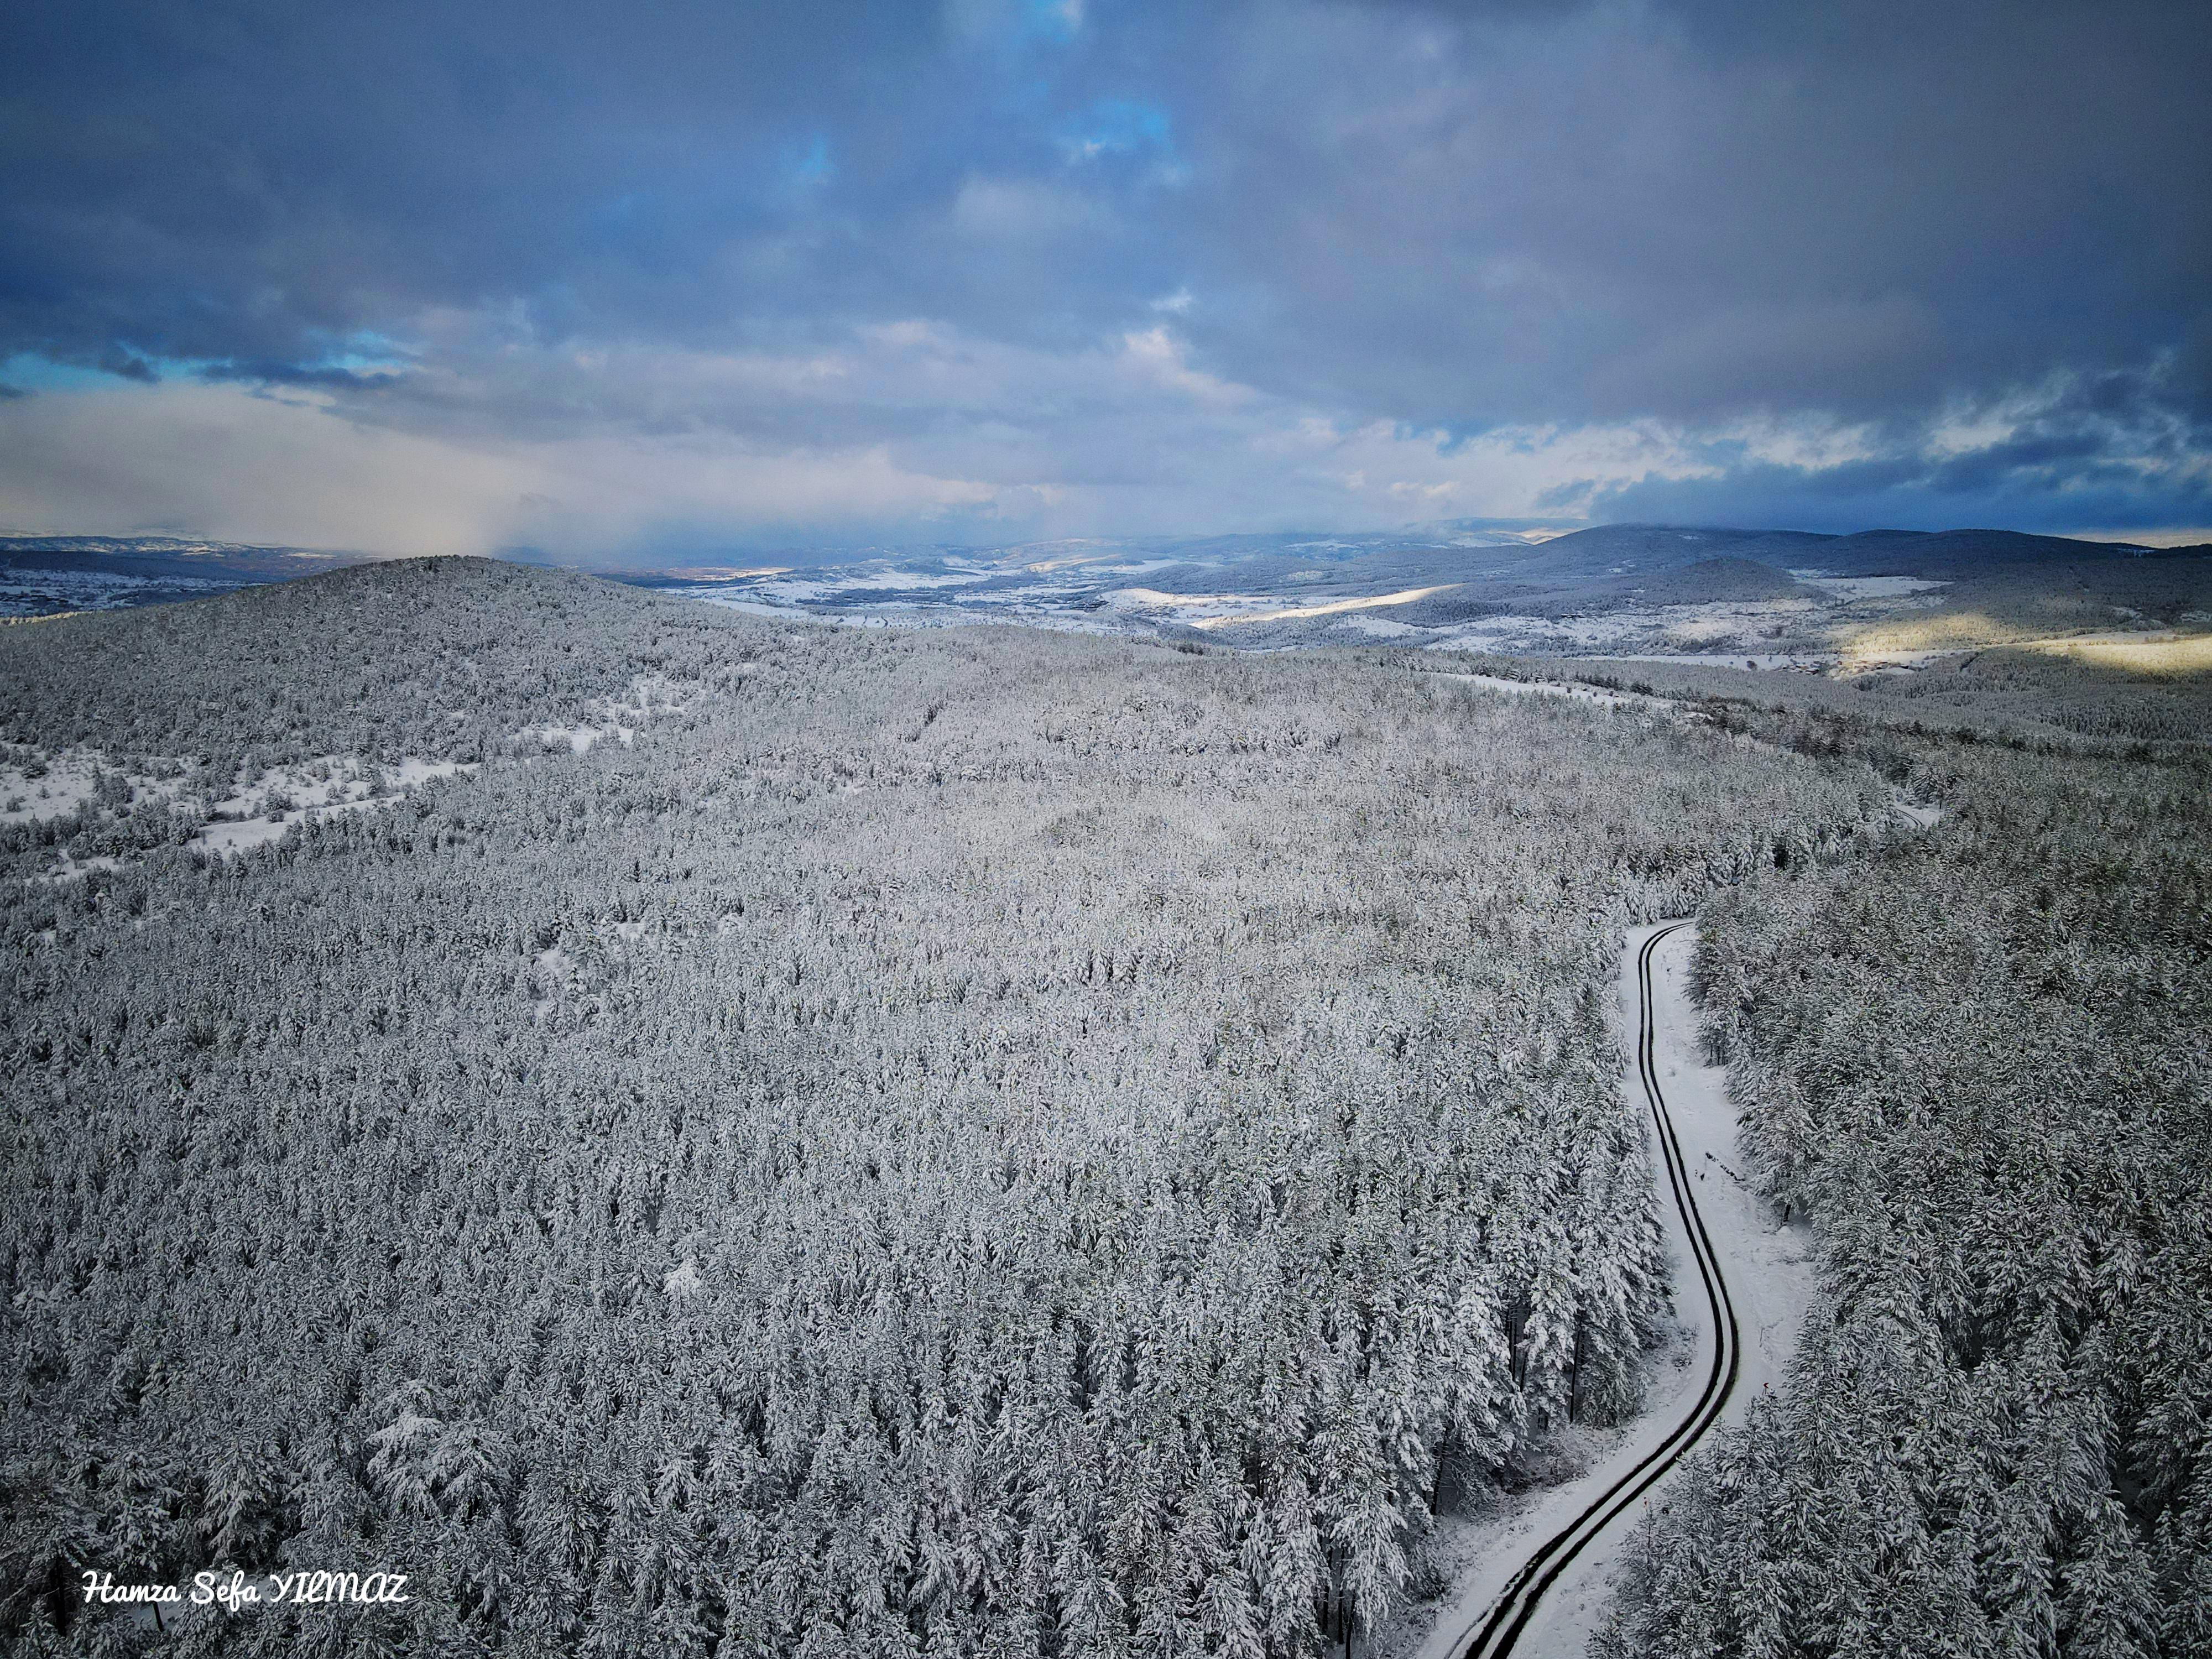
(1497, 1632)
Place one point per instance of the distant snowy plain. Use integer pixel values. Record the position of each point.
(1247, 608)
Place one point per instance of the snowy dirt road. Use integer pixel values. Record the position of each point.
(1536, 1581)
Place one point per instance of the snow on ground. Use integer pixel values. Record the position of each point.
(1210, 604)
(724, 573)
(578, 739)
(2155, 652)
(228, 837)
(1213, 611)
(1572, 689)
(1684, 629)
(34, 785)
(1818, 661)
(410, 772)
(750, 607)
(551, 971)
(1867, 587)
(69, 869)
(1833, 624)
(1769, 1269)
(648, 696)
(1325, 608)
(1378, 627)
(25, 593)
(260, 810)
(317, 781)
(1719, 632)
(796, 590)
(917, 616)
(1139, 568)
(557, 972)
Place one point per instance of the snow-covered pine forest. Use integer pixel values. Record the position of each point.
(1977, 1059)
(981, 1142)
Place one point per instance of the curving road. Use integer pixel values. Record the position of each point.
(1535, 1584)
(1540, 1592)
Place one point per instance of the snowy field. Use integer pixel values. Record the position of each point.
(77, 788)
(32, 592)
(187, 801)
(1828, 623)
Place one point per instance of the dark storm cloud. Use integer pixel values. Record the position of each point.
(1123, 230)
(2076, 459)
(232, 182)
(229, 180)
(1579, 212)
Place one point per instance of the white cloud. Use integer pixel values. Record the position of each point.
(1157, 355)
(910, 429)
(222, 462)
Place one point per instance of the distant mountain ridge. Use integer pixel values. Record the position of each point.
(1468, 583)
(1593, 551)
(1861, 553)
(1772, 597)
(44, 575)
(168, 555)
(1478, 547)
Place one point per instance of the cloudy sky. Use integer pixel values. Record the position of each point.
(628, 282)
